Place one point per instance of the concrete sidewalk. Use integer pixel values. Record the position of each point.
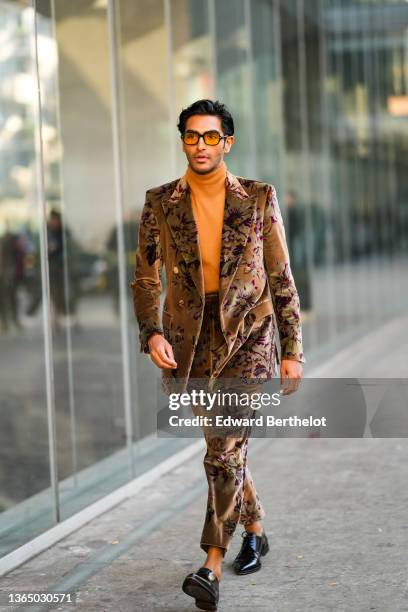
(336, 522)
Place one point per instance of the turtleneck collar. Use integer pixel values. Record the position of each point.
(207, 182)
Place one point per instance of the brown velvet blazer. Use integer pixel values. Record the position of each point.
(255, 276)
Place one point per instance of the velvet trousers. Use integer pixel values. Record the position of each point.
(232, 497)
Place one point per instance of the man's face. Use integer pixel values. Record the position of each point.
(201, 157)
(54, 222)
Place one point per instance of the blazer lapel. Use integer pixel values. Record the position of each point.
(180, 218)
(239, 215)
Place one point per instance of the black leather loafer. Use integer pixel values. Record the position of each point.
(203, 585)
(253, 548)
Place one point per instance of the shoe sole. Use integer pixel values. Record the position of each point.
(204, 599)
(264, 551)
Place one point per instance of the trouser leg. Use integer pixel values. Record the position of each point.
(232, 497)
(252, 509)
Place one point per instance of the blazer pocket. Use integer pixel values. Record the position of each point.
(262, 309)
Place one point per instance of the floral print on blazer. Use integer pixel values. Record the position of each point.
(255, 276)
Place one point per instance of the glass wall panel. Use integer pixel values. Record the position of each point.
(267, 92)
(26, 504)
(320, 299)
(299, 74)
(342, 209)
(368, 122)
(191, 60)
(147, 148)
(234, 77)
(82, 226)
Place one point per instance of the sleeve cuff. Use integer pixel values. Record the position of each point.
(145, 334)
(293, 350)
(291, 358)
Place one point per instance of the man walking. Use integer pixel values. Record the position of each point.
(222, 241)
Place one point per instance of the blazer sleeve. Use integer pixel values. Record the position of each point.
(281, 283)
(146, 284)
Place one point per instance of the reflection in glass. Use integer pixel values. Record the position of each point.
(82, 252)
(25, 500)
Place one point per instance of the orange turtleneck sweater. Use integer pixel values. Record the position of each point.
(208, 202)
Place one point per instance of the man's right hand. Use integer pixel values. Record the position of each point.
(161, 352)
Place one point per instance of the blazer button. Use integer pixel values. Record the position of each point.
(175, 270)
(181, 302)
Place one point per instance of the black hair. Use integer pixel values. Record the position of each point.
(207, 107)
(55, 213)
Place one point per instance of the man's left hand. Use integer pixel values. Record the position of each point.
(291, 374)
